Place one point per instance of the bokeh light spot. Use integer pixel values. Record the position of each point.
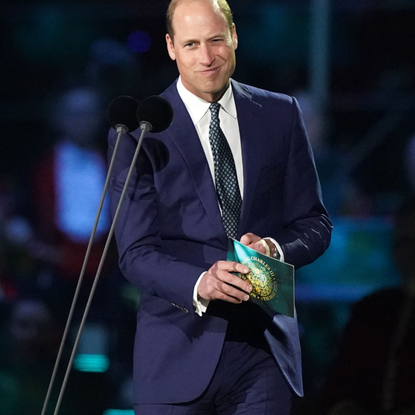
(139, 41)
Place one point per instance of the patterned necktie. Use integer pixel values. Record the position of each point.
(226, 180)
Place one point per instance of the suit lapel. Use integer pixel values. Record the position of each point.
(248, 112)
(183, 133)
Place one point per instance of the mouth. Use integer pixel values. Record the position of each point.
(211, 71)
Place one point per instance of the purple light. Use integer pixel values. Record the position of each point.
(139, 41)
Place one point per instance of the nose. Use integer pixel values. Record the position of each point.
(206, 55)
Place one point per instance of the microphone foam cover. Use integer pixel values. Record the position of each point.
(122, 111)
(157, 111)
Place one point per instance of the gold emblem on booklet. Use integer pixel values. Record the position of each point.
(263, 287)
(272, 280)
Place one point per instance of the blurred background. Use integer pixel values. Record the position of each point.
(351, 65)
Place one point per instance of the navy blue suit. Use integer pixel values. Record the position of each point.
(170, 231)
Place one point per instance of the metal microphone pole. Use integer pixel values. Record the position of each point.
(121, 130)
(145, 127)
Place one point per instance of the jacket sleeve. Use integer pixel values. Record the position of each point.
(306, 231)
(137, 230)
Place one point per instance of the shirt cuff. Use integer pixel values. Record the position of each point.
(277, 245)
(200, 304)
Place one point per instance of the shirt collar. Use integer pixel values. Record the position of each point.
(198, 107)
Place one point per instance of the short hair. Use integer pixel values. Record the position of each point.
(222, 5)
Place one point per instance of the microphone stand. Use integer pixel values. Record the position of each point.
(121, 129)
(145, 127)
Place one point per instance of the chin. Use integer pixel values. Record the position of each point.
(216, 89)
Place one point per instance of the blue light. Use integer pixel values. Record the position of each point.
(119, 412)
(96, 363)
(139, 41)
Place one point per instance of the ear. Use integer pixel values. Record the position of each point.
(170, 47)
(234, 37)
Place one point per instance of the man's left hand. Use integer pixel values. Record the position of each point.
(255, 242)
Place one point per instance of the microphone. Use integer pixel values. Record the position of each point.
(121, 114)
(124, 113)
(155, 114)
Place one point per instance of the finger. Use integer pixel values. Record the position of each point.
(235, 282)
(221, 272)
(254, 242)
(261, 246)
(219, 282)
(211, 287)
(248, 238)
(231, 266)
(231, 294)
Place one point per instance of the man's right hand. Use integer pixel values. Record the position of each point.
(218, 283)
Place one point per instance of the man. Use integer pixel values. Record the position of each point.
(201, 347)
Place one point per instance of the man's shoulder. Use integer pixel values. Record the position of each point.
(261, 94)
(171, 90)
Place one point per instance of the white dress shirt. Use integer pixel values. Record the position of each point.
(200, 114)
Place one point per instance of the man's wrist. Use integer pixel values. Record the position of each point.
(266, 246)
(273, 250)
(199, 303)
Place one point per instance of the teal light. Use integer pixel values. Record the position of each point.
(91, 363)
(119, 412)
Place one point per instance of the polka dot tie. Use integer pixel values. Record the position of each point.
(227, 187)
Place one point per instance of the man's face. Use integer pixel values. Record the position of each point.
(203, 48)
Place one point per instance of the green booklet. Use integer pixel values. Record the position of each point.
(272, 280)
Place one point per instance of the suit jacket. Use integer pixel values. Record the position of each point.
(170, 230)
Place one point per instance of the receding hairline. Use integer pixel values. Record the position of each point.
(221, 6)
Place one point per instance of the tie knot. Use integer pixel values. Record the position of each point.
(214, 109)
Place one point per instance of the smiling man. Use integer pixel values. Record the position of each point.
(235, 163)
(203, 45)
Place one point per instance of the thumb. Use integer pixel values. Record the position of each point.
(248, 239)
